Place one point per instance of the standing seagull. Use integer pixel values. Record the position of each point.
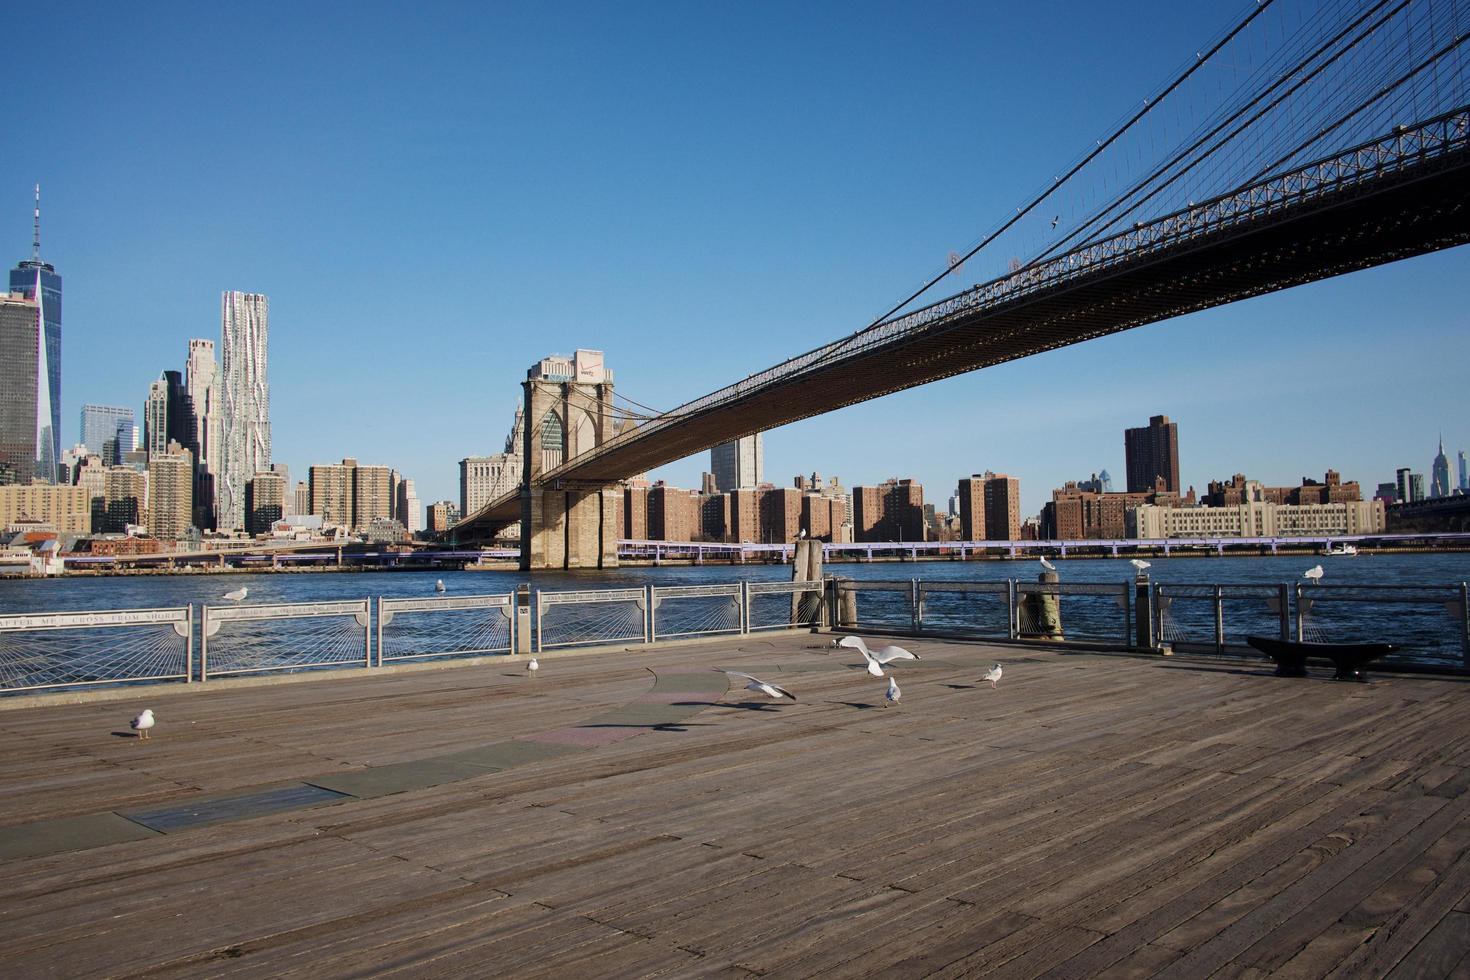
(439, 585)
(1048, 565)
(1138, 563)
(531, 667)
(239, 594)
(993, 676)
(1314, 574)
(876, 661)
(756, 684)
(142, 723)
(893, 693)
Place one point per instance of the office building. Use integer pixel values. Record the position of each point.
(1387, 492)
(201, 382)
(739, 465)
(265, 502)
(1152, 453)
(410, 512)
(1439, 474)
(38, 282)
(244, 402)
(484, 478)
(1260, 518)
(891, 511)
(443, 515)
(170, 493)
(1416, 487)
(23, 409)
(1464, 474)
(990, 507)
(101, 423)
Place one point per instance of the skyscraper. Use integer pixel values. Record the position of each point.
(103, 422)
(1152, 452)
(1401, 481)
(1464, 474)
(38, 281)
(1439, 473)
(170, 492)
(22, 379)
(245, 402)
(201, 379)
(739, 465)
(409, 511)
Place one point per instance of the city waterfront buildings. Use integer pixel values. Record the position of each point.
(1074, 513)
(1152, 453)
(103, 423)
(170, 493)
(67, 509)
(38, 282)
(244, 404)
(1260, 518)
(24, 412)
(739, 465)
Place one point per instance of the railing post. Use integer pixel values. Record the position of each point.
(367, 631)
(1298, 604)
(1127, 614)
(1012, 622)
(380, 631)
(1464, 625)
(189, 645)
(1219, 621)
(916, 606)
(539, 614)
(744, 607)
(203, 642)
(648, 623)
(1283, 599)
(1143, 613)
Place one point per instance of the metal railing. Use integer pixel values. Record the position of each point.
(66, 649)
(592, 616)
(875, 604)
(697, 610)
(1219, 617)
(285, 636)
(1089, 612)
(783, 605)
(457, 626)
(1430, 624)
(984, 609)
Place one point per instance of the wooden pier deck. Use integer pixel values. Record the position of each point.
(623, 815)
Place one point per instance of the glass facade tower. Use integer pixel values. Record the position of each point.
(38, 281)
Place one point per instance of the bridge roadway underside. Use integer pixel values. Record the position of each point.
(1397, 215)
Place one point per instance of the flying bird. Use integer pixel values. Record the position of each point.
(439, 585)
(1314, 574)
(1055, 219)
(239, 594)
(993, 675)
(532, 666)
(1138, 563)
(1048, 565)
(893, 693)
(760, 686)
(142, 723)
(876, 661)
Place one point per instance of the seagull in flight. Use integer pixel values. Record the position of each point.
(1048, 565)
(756, 684)
(1055, 219)
(876, 661)
(893, 693)
(142, 723)
(993, 676)
(239, 594)
(1138, 563)
(1314, 574)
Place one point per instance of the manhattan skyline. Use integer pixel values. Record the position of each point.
(679, 215)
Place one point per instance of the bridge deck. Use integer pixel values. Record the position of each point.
(1094, 814)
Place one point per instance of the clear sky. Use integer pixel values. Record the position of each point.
(436, 195)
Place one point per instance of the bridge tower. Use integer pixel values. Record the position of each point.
(568, 411)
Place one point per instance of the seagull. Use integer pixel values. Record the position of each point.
(893, 693)
(993, 675)
(1055, 219)
(756, 684)
(1314, 573)
(142, 723)
(801, 535)
(876, 661)
(1048, 565)
(1138, 563)
(532, 666)
(239, 594)
(439, 585)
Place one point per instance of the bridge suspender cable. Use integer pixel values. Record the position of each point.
(1148, 104)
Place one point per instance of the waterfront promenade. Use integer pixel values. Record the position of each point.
(624, 814)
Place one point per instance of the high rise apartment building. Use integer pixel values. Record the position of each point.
(410, 513)
(351, 494)
(374, 495)
(125, 498)
(265, 502)
(1152, 453)
(201, 381)
(38, 282)
(67, 509)
(244, 402)
(739, 465)
(301, 499)
(331, 492)
(23, 409)
(104, 423)
(891, 511)
(170, 493)
(990, 507)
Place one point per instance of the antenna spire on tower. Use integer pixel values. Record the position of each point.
(36, 242)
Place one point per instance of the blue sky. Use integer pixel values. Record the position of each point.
(436, 195)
